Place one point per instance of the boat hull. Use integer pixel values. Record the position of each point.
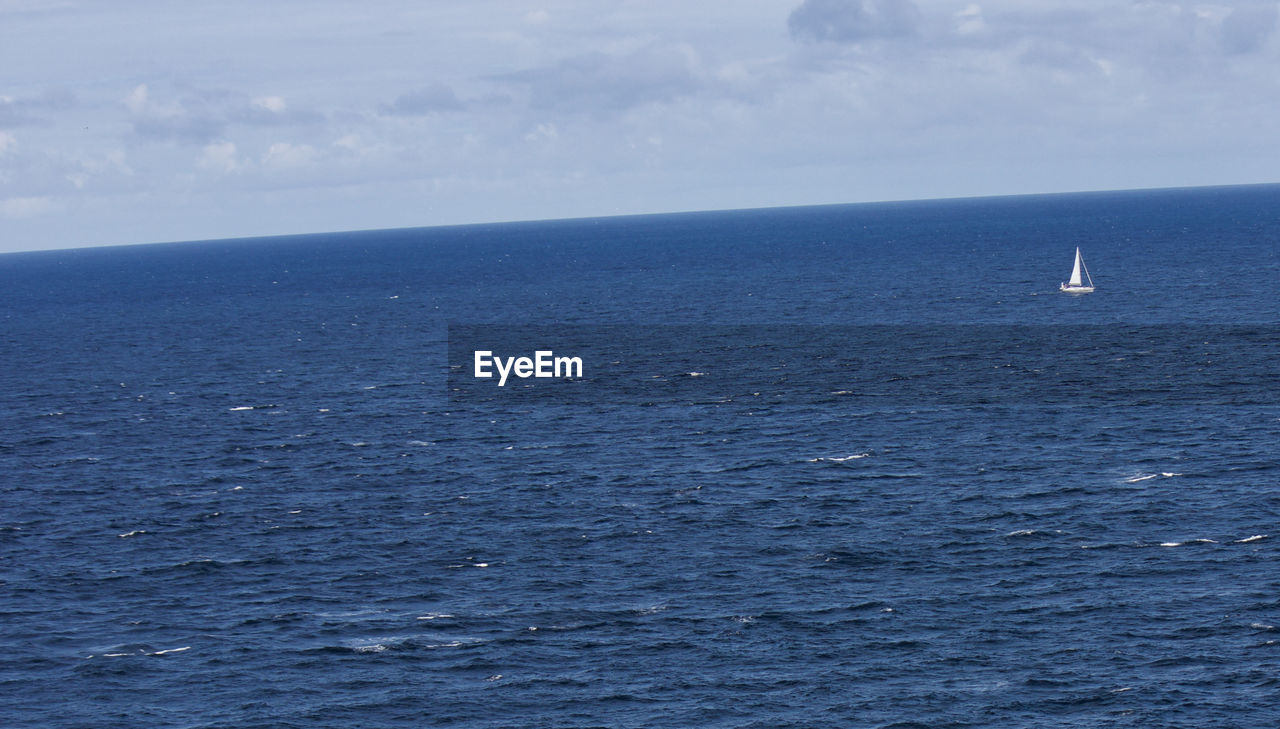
(1067, 289)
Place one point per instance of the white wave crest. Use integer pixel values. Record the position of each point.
(1189, 541)
(839, 459)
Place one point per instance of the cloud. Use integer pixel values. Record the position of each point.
(204, 116)
(33, 110)
(969, 20)
(273, 104)
(284, 155)
(265, 111)
(427, 100)
(188, 120)
(26, 207)
(7, 142)
(853, 21)
(601, 82)
(542, 132)
(1246, 30)
(220, 157)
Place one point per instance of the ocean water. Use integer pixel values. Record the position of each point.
(854, 466)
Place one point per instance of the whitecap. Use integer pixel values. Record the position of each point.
(1189, 541)
(839, 459)
(242, 407)
(1254, 538)
(434, 616)
(133, 533)
(376, 644)
(170, 650)
(1148, 476)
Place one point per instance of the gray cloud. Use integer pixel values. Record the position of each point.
(600, 82)
(179, 128)
(201, 116)
(34, 110)
(852, 21)
(1245, 30)
(427, 100)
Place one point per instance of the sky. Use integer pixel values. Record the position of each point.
(131, 121)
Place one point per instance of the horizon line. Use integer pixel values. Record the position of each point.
(620, 216)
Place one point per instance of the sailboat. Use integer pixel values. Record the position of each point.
(1076, 285)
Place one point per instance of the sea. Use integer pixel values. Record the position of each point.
(838, 466)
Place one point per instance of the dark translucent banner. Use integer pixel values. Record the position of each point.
(1099, 365)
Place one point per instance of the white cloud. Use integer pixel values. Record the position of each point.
(542, 132)
(284, 155)
(969, 20)
(7, 142)
(188, 120)
(26, 207)
(136, 100)
(220, 157)
(273, 104)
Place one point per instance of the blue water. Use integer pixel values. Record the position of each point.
(248, 483)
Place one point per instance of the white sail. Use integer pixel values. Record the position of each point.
(1075, 272)
(1076, 285)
